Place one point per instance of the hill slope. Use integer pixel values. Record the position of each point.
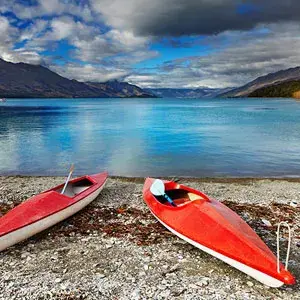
(120, 89)
(286, 89)
(31, 81)
(264, 81)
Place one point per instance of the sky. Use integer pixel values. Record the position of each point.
(154, 43)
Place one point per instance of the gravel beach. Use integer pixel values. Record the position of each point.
(115, 249)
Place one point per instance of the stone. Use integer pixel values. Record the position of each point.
(250, 283)
(193, 286)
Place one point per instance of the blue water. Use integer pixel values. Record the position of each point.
(151, 137)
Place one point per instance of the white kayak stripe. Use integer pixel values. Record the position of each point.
(256, 274)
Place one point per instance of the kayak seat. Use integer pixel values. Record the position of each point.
(181, 201)
(179, 197)
(75, 188)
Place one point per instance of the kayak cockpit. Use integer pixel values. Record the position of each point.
(179, 197)
(75, 188)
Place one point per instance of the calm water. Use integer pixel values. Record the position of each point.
(142, 137)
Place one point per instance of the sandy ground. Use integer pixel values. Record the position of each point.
(115, 249)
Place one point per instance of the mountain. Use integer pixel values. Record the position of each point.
(187, 93)
(287, 89)
(265, 81)
(120, 89)
(22, 80)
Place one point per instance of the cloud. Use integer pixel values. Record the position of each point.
(96, 73)
(34, 30)
(247, 57)
(7, 32)
(9, 35)
(193, 17)
(41, 8)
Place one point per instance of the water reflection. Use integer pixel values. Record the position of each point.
(149, 137)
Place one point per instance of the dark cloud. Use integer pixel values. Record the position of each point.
(194, 17)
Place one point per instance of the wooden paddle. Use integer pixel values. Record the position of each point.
(158, 189)
(68, 179)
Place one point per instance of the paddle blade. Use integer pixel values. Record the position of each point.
(157, 188)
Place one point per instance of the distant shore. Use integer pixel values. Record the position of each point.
(115, 249)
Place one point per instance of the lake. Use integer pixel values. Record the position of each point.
(151, 137)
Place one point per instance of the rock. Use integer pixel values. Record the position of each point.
(146, 267)
(25, 254)
(266, 222)
(193, 286)
(250, 283)
(203, 282)
(58, 280)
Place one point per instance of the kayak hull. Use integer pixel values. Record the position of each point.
(214, 228)
(11, 235)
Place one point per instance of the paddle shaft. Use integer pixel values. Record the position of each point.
(169, 200)
(68, 179)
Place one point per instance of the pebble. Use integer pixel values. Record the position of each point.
(266, 222)
(25, 254)
(193, 286)
(250, 283)
(203, 282)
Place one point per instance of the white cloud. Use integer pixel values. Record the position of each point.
(62, 28)
(34, 30)
(49, 8)
(9, 35)
(89, 72)
(7, 32)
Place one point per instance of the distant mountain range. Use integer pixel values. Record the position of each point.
(187, 93)
(285, 83)
(33, 81)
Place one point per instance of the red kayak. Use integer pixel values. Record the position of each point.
(214, 228)
(48, 208)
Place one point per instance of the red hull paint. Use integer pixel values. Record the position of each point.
(46, 204)
(213, 225)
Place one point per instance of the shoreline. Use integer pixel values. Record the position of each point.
(114, 248)
(221, 179)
